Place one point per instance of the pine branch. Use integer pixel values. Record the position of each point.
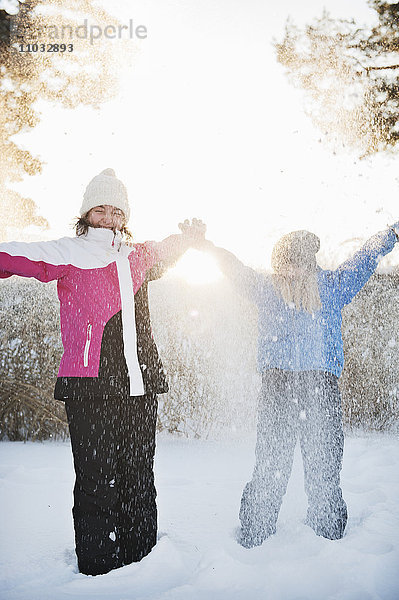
(381, 68)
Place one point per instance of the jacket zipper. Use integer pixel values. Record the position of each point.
(87, 345)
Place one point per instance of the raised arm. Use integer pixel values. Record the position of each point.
(172, 248)
(354, 273)
(246, 280)
(42, 260)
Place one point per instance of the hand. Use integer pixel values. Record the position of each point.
(193, 232)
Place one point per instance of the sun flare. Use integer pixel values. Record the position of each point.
(197, 268)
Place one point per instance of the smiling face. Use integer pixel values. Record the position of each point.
(106, 216)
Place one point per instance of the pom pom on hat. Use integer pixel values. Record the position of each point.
(105, 188)
(109, 172)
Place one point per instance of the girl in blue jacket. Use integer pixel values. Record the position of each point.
(300, 357)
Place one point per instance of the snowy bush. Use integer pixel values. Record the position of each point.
(30, 350)
(370, 381)
(207, 337)
(27, 414)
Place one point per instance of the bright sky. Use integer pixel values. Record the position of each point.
(207, 125)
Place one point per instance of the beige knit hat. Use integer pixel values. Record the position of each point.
(295, 249)
(105, 188)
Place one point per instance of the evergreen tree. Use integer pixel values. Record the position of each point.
(351, 76)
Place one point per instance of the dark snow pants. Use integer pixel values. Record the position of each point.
(305, 404)
(115, 513)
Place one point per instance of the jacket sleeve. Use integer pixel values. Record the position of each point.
(354, 273)
(246, 280)
(41, 260)
(167, 252)
(171, 248)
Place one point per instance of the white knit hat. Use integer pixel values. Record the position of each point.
(105, 188)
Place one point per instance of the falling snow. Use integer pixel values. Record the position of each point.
(200, 482)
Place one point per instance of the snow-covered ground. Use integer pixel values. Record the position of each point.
(197, 557)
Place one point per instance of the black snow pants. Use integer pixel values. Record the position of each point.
(305, 404)
(115, 512)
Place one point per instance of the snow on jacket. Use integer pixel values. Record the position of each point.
(296, 340)
(105, 326)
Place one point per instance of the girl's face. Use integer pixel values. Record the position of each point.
(106, 216)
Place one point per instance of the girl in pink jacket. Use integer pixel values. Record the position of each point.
(110, 372)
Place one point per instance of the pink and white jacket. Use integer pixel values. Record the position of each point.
(98, 276)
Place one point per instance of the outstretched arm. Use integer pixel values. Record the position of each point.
(42, 260)
(245, 279)
(354, 273)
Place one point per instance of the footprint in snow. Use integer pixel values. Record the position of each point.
(372, 546)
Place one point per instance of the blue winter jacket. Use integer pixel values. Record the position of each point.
(296, 340)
